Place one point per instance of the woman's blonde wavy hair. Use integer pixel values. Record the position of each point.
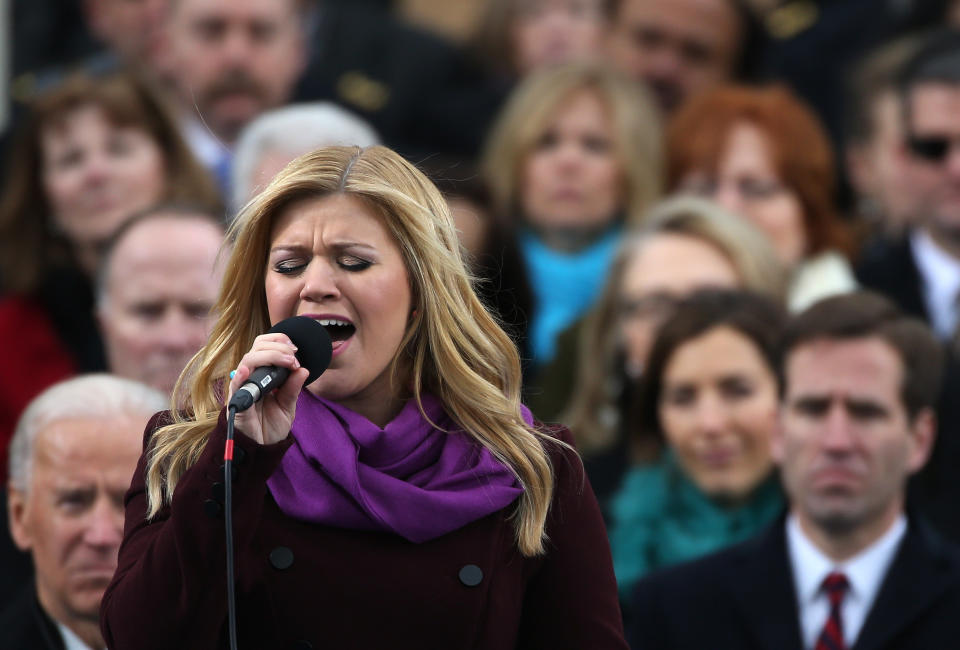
(600, 345)
(453, 348)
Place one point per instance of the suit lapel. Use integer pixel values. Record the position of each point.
(892, 270)
(764, 590)
(916, 579)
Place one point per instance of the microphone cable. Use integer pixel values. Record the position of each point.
(228, 522)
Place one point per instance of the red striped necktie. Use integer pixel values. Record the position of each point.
(836, 586)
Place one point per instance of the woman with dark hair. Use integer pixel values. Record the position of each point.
(763, 154)
(710, 392)
(91, 152)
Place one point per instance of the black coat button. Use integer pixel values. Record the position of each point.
(239, 455)
(471, 575)
(300, 645)
(281, 557)
(233, 470)
(218, 492)
(212, 508)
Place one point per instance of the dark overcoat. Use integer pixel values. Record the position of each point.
(304, 585)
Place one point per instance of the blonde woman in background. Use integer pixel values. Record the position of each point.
(687, 244)
(573, 160)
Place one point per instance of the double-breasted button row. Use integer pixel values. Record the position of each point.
(471, 575)
(281, 558)
(214, 506)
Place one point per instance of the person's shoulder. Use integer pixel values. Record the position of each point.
(24, 625)
(709, 576)
(931, 543)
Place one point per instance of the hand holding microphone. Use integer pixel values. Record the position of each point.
(270, 376)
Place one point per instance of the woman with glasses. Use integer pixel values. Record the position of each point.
(763, 155)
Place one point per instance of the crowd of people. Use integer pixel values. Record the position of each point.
(644, 322)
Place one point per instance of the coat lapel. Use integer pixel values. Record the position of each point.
(764, 590)
(917, 578)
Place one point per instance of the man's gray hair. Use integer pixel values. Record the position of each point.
(100, 396)
(294, 130)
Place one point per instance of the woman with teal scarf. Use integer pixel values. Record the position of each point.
(573, 158)
(711, 392)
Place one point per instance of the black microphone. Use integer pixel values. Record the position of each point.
(314, 350)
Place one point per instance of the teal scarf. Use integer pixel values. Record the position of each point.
(659, 518)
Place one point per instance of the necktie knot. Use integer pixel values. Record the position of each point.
(836, 585)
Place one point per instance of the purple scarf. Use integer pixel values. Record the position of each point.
(407, 478)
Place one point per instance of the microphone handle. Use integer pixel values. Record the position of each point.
(260, 382)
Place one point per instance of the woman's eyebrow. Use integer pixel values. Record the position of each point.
(338, 245)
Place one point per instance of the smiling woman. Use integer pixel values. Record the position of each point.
(710, 390)
(406, 483)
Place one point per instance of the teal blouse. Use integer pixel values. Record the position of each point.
(659, 517)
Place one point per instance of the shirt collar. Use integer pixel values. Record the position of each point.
(70, 640)
(941, 280)
(865, 571)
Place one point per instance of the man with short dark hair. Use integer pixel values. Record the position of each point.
(228, 61)
(678, 48)
(846, 568)
(922, 271)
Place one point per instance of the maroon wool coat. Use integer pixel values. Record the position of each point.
(304, 585)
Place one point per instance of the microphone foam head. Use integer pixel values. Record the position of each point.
(314, 348)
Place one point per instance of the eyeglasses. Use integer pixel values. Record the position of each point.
(932, 148)
(658, 305)
(749, 189)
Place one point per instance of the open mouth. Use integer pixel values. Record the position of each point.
(339, 330)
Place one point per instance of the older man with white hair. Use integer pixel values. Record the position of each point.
(72, 456)
(275, 138)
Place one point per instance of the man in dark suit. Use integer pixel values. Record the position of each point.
(846, 568)
(921, 270)
(71, 459)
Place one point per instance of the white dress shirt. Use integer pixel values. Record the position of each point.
(70, 640)
(207, 147)
(865, 572)
(940, 273)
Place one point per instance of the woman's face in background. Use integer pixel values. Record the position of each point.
(664, 269)
(718, 408)
(548, 32)
(96, 175)
(746, 183)
(572, 178)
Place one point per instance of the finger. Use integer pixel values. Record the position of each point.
(289, 391)
(255, 359)
(274, 338)
(242, 373)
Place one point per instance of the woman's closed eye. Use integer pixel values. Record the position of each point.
(353, 263)
(289, 267)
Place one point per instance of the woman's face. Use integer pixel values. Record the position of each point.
(548, 32)
(664, 269)
(332, 259)
(718, 409)
(746, 183)
(572, 178)
(96, 175)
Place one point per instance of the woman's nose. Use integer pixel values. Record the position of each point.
(319, 282)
